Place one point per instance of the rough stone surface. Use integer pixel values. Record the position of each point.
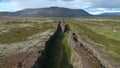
(25, 53)
(91, 49)
(100, 54)
(80, 58)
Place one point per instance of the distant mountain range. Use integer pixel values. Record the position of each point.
(48, 12)
(111, 14)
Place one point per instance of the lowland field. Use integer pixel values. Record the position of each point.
(104, 32)
(19, 37)
(22, 40)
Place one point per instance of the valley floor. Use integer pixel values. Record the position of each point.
(73, 43)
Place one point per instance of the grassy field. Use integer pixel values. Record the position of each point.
(20, 29)
(17, 30)
(105, 31)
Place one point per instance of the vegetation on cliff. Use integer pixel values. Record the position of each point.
(58, 52)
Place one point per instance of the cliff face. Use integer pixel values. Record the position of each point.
(30, 53)
(85, 55)
(55, 52)
(80, 57)
(24, 54)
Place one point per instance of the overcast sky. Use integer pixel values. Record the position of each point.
(92, 6)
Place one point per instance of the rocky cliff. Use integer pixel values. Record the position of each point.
(84, 55)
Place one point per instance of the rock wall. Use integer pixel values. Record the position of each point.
(83, 55)
(62, 25)
(40, 62)
(23, 54)
(79, 59)
(98, 54)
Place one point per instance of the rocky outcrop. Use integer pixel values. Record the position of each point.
(84, 55)
(80, 57)
(30, 53)
(99, 54)
(40, 61)
(24, 54)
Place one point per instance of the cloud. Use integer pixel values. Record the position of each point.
(100, 6)
(92, 6)
(67, 3)
(104, 4)
(21, 4)
(67, 0)
(4, 0)
(102, 10)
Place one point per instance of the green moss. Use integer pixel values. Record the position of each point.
(58, 52)
(67, 53)
(53, 51)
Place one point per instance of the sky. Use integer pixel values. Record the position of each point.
(91, 6)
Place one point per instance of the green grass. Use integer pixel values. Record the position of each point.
(17, 35)
(92, 30)
(53, 51)
(66, 50)
(18, 22)
(111, 44)
(58, 53)
(105, 28)
(67, 53)
(21, 34)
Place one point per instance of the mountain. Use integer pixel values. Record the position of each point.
(111, 14)
(48, 12)
(5, 13)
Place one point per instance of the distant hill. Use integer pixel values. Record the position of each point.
(111, 14)
(48, 12)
